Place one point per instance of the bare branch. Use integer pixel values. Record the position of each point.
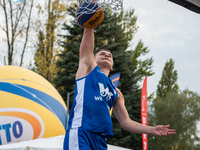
(4, 60)
(26, 39)
(18, 18)
(2, 28)
(7, 32)
(12, 37)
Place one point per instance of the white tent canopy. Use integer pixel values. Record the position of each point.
(53, 143)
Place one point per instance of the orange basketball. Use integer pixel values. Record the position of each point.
(89, 14)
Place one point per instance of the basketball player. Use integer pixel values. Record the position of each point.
(90, 122)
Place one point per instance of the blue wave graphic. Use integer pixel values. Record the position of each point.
(37, 96)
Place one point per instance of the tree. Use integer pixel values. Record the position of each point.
(181, 111)
(168, 80)
(115, 34)
(132, 69)
(47, 50)
(69, 57)
(17, 18)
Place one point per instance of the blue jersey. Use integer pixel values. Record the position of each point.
(93, 98)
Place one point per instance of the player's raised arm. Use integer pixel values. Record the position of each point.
(86, 56)
(87, 44)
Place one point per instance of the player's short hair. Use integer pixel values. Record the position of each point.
(101, 50)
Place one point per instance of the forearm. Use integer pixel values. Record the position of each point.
(137, 128)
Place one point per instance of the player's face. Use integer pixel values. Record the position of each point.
(104, 57)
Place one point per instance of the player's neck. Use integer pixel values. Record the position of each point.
(106, 71)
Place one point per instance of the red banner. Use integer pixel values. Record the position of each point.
(144, 112)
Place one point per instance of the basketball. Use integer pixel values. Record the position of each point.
(89, 14)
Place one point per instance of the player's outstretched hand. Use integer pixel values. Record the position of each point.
(162, 130)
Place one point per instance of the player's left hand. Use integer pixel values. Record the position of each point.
(162, 130)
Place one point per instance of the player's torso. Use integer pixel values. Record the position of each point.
(94, 97)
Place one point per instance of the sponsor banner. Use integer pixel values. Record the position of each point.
(37, 96)
(144, 112)
(31, 107)
(15, 123)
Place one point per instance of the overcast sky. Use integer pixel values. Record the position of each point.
(169, 31)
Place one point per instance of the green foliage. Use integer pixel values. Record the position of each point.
(132, 71)
(181, 111)
(44, 59)
(168, 80)
(141, 67)
(69, 58)
(115, 34)
(45, 55)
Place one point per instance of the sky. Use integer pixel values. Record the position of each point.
(169, 31)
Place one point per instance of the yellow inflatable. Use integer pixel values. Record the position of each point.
(30, 107)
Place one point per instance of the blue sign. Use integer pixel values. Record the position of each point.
(115, 78)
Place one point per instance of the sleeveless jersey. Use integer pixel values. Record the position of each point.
(94, 96)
